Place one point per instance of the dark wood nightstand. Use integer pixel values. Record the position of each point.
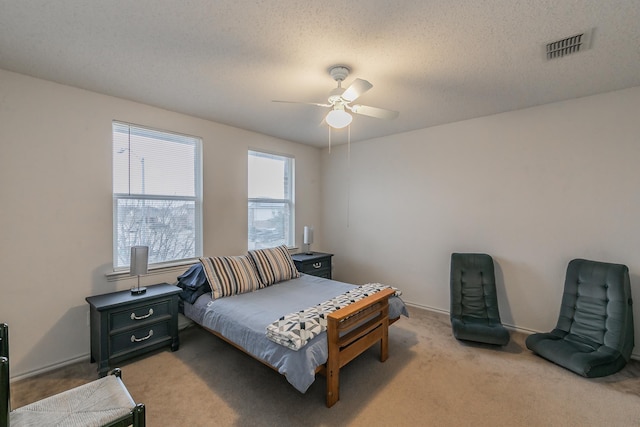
(124, 325)
(316, 263)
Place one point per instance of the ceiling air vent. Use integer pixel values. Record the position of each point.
(568, 45)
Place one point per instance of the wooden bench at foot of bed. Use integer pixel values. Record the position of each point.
(350, 331)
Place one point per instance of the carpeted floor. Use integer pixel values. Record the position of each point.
(429, 379)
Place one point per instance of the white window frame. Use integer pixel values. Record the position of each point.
(197, 199)
(289, 200)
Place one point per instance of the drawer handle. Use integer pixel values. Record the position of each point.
(134, 317)
(134, 339)
(317, 264)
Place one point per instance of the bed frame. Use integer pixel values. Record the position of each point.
(350, 331)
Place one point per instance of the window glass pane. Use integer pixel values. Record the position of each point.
(268, 224)
(150, 162)
(167, 227)
(267, 176)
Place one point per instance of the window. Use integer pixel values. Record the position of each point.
(157, 194)
(270, 200)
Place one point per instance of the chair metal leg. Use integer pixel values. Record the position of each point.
(5, 392)
(139, 416)
(5, 398)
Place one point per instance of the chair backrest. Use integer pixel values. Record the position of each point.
(597, 304)
(473, 287)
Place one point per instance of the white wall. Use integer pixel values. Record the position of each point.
(534, 188)
(56, 207)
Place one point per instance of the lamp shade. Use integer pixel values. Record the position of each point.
(338, 118)
(139, 260)
(308, 235)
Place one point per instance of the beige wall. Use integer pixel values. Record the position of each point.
(534, 188)
(56, 207)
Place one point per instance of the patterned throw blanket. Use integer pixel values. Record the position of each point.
(295, 330)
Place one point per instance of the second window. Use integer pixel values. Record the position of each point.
(271, 204)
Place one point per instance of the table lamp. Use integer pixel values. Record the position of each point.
(138, 266)
(308, 238)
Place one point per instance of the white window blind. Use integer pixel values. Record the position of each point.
(157, 194)
(271, 189)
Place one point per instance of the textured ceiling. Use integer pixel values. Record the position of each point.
(434, 61)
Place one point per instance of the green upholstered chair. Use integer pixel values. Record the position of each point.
(103, 402)
(594, 333)
(474, 301)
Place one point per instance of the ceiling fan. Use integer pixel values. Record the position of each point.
(340, 101)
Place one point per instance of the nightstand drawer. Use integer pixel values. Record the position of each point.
(324, 273)
(316, 266)
(143, 336)
(138, 314)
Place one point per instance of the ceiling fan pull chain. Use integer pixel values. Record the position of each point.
(349, 146)
(348, 174)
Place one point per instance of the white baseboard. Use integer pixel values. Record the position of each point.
(426, 307)
(52, 367)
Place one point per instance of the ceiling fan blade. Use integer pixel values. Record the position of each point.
(305, 103)
(378, 113)
(357, 88)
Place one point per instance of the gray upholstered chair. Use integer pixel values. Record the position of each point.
(594, 333)
(474, 301)
(103, 402)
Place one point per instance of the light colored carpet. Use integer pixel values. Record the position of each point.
(429, 379)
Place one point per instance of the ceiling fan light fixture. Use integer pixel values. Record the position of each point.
(338, 118)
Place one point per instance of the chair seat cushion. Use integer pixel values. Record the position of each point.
(479, 330)
(93, 404)
(576, 353)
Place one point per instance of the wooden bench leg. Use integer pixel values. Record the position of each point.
(333, 363)
(333, 386)
(384, 342)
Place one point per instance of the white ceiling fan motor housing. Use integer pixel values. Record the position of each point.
(339, 72)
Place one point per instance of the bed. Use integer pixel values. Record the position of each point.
(242, 319)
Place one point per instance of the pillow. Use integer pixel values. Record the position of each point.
(274, 265)
(193, 283)
(193, 278)
(230, 275)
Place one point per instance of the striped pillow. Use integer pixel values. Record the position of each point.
(230, 275)
(274, 265)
